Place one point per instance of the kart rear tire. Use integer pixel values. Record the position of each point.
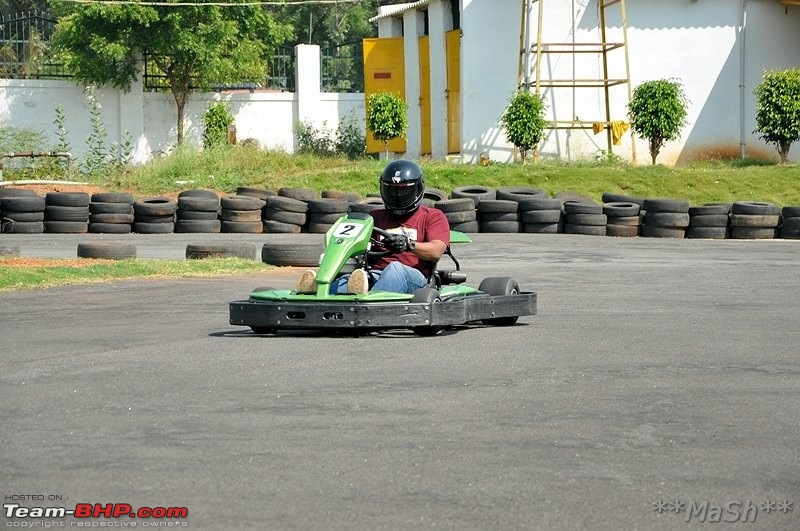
(499, 286)
(426, 296)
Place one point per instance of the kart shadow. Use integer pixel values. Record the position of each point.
(350, 334)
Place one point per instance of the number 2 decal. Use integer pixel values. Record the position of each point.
(348, 230)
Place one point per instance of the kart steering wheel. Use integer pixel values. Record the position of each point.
(379, 254)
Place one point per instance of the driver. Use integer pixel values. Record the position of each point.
(419, 236)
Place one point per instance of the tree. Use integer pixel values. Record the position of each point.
(193, 46)
(523, 121)
(387, 117)
(657, 112)
(778, 109)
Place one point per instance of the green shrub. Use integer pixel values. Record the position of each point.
(216, 120)
(350, 141)
(657, 112)
(387, 117)
(523, 121)
(778, 109)
(314, 141)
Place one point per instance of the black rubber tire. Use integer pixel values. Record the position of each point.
(519, 193)
(543, 228)
(539, 203)
(434, 194)
(209, 226)
(298, 194)
(258, 192)
(112, 197)
(318, 228)
(195, 215)
(240, 215)
(247, 251)
(462, 216)
(791, 212)
(16, 192)
(110, 228)
(669, 220)
(201, 204)
(276, 227)
(320, 217)
(500, 226)
(666, 205)
(753, 220)
(474, 192)
(326, 206)
(24, 227)
(574, 197)
(710, 220)
(107, 250)
(66, 213)
(350, 197)
(755, 208)
(652, 231)
(287, 203)
(497, 216)
(791, 223)
(707, 233)
(426, 295)
(456, 205)
(285, 216)
(753, 233)
(498, 286)
(790, 234)
(622, 231)
(66, 227)
(199, 192)
(587, 219)
(291, 254)
(110, 208)
(625, 220)
(586, 230)
(497, 205)
(155, 206)
(610, 197)
(241, 202)
(620, 209)
(541, 216)
(141, 227)
(67, 199)
(242, 227)
(574, 207)
(142, 218)
(365, 208)
(24, 216)
(112, 218)
(471, 227)
(22, 204)
(711, 209)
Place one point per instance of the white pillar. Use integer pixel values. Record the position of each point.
(307, 83)
(413, 27)
(437, 25)
(131, 119)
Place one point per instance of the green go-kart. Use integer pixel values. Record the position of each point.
(446, 301)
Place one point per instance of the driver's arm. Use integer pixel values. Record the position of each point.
(431, 251)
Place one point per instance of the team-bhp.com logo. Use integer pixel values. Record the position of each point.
(85, 513)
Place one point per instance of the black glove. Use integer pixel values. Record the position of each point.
(397, 243)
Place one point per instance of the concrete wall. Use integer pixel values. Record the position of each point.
(151, 117)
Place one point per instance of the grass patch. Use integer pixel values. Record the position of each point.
(24, 273)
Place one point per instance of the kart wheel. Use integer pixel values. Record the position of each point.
(499, 286)
(428, 296)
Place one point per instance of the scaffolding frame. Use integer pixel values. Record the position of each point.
(603, 48)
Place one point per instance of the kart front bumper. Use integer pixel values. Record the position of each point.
(353, 314)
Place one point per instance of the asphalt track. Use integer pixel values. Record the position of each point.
(657, 388)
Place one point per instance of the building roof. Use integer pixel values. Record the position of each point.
(391, 11)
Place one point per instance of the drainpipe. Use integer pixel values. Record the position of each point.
(742, 55)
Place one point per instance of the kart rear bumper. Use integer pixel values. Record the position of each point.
(299, 315)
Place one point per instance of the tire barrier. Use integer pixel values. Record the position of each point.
(623, 219)
(709, 221)
(198, 211)
(752, 220)
(66, 212)
(665, 218)
(541, 215)
(111, 213)
(498, 215)
(21, 213)
(154, 215)
(284, 215)
(292, 254)
(241, 214)
(107, 250)
(197, 251)
(585, 218)
(323, 213)
(790, 228)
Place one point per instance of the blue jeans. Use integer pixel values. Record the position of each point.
(397, 277)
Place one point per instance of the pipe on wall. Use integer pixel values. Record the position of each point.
(742, 63)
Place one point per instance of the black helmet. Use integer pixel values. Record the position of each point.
(402, 187)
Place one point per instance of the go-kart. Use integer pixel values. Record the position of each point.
(350, 243)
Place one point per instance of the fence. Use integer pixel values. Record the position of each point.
(342, 68)
(24, 47)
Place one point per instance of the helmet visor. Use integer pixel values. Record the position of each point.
(399, 196)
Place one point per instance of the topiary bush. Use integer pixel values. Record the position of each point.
(657, 112)
(523, 121)
(778, 109)
(387, 117)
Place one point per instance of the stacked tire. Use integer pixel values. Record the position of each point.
(241, 214)
(154, 215)
(198, 211)
(476, 193)
(66, 212)
(622, 219)
(255, 191)
(111, 213)
(323, 213)
(541, 215)
(584, 218)
(790, 227)
(665, 218)
(21, 211)
(751, 220)
(284, 215)
(498, 216)
(460, 214)
(366, 205)
(709, 221)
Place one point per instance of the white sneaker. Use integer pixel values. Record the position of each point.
(358, 283)
(307, 282)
